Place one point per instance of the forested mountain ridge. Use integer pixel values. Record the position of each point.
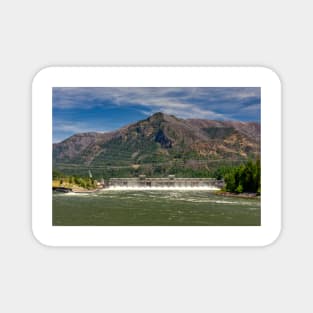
(162, 139)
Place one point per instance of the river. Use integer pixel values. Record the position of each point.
(154, 208)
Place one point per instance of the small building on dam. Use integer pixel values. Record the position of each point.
(170, 181)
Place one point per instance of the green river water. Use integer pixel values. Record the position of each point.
(154, 208)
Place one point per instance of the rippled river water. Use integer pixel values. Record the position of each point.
(154, 208)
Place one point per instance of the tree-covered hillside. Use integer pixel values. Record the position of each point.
(160, 145)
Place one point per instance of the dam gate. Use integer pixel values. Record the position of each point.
(170, 181)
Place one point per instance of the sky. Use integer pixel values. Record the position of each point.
(103, 109)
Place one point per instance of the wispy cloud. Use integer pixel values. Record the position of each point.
(75, 127)
(64, 128)
(85, 109)
(184, 102)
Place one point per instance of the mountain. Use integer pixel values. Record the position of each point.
(161, 139)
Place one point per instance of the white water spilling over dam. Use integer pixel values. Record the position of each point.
(163, 188)
(170, 182)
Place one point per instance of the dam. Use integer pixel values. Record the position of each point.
(167, 182)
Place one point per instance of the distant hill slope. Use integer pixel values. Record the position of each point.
(159, 139)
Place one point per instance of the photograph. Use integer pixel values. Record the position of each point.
(156, 156)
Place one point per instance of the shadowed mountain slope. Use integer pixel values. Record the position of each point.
(161, 138)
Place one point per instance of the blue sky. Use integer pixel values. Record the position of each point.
(103, 109)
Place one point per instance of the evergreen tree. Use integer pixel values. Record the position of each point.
(244, 178)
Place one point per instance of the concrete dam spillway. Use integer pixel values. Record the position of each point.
(170, 182)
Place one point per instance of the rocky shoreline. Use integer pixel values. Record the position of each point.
(239, 195)
(74, 190)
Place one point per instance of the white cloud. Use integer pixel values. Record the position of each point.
(211, 103)
(74, 127)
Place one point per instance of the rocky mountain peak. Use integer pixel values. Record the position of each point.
(162, 138)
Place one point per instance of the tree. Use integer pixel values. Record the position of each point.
(244, 178)
(56, 174)
(230, 181)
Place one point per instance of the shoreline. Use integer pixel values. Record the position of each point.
(249, 195)
(73, 190)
